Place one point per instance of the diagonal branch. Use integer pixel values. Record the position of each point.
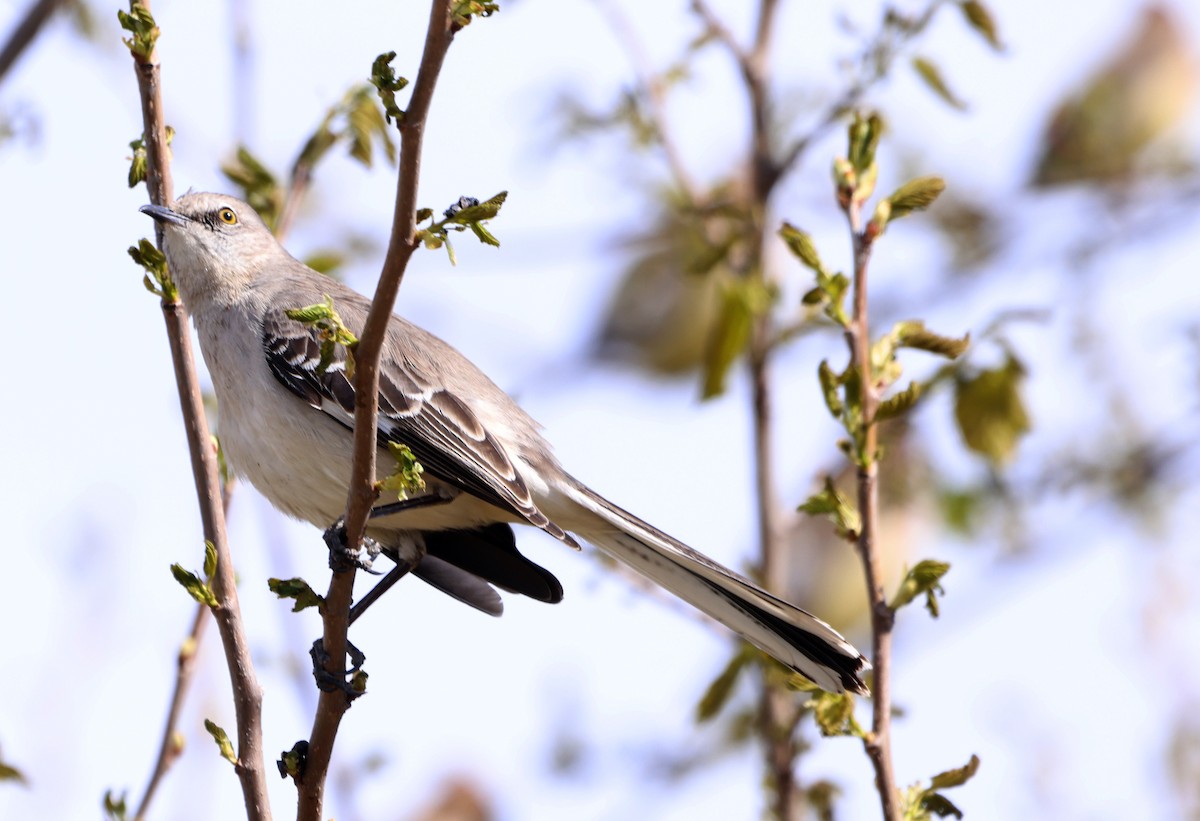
(26, 31)
(246, 691)
(362, 494)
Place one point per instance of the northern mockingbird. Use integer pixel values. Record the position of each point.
(286, 426)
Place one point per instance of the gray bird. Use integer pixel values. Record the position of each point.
(286, 426)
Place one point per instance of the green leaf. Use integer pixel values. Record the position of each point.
(820, 796)
(933, 78)
(140, 24)
(256, 183)
(900, 402)
(465, 10)
(223, 743)
(298, 589)
(801, 245)
(405, 479)
(137, 163)
(210, 559)
(718, 692)
(830, 384)
(331, 332)
(864, 135)
(742, 301)
(466, 213)
(834, 714)
(384, 78)
(939, 805)
(195, 587)
(292, 762)
(325, 262)
(980, 18)
(158, 277)
(114, 806)
(923, 579)
(913, 334)
(831, 503)
(990, 413)
(956, 777)
(10, 773)
(915, 195)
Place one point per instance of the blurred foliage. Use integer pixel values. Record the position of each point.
(1101, 133)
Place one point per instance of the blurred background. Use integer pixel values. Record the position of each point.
(1054, 467)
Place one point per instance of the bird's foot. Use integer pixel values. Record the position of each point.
(342, 557)
(352, 682)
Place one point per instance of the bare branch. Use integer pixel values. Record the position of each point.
(169, 749)
(655, 91)
(246, 692)
(25, 32)
(878, 742)
(333, 705)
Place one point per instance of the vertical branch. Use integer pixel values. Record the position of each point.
(246, 691)
(878, 742)
(333, 705)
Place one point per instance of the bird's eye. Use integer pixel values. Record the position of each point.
(227, 216)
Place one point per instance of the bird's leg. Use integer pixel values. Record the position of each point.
(342, 558)
(394, 575)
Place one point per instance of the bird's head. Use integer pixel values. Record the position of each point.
(216, 246)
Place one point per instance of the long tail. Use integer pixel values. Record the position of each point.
(794, 637)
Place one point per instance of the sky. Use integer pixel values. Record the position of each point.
(1043, 667)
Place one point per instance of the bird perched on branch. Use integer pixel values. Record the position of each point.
(287, 416)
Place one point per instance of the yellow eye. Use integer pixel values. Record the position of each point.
(227, 216)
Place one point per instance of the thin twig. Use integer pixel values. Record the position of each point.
(655, 92)
(878, 743)
(333, 705)
(25, 32)
(246, 692)
(170, 747)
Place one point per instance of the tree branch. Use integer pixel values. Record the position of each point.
(878, 742)
(362, 494)
(246, 692)
(656, 95)
(25, 32)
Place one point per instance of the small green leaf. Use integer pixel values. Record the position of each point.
(834, 714)
(223, 743)
(830, 384)
(915, 195)
(923, 579)
(899, 403)
(137, 163)
(325, 262)
(831, 503)
(292, 762)
(406, 479)
(476, 211)
(195, 587)
(332, 333)
(939, 805)
(743, 300)
(424, 214)
(820, 796)
(139, 23)
(864, 136)
(256, 183)
(10, 773)
(114, 806)
(801, 245)
(384, 78)
(956, 777)
(158, 277)
(464, 11)
(716, 696)
(913, 334)
(933, 78)
(990, 413)
(980, 18)
(210, 559)
(298, 589)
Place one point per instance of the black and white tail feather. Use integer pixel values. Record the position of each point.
(787, 633)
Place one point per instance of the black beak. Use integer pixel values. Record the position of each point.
(160, 213)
